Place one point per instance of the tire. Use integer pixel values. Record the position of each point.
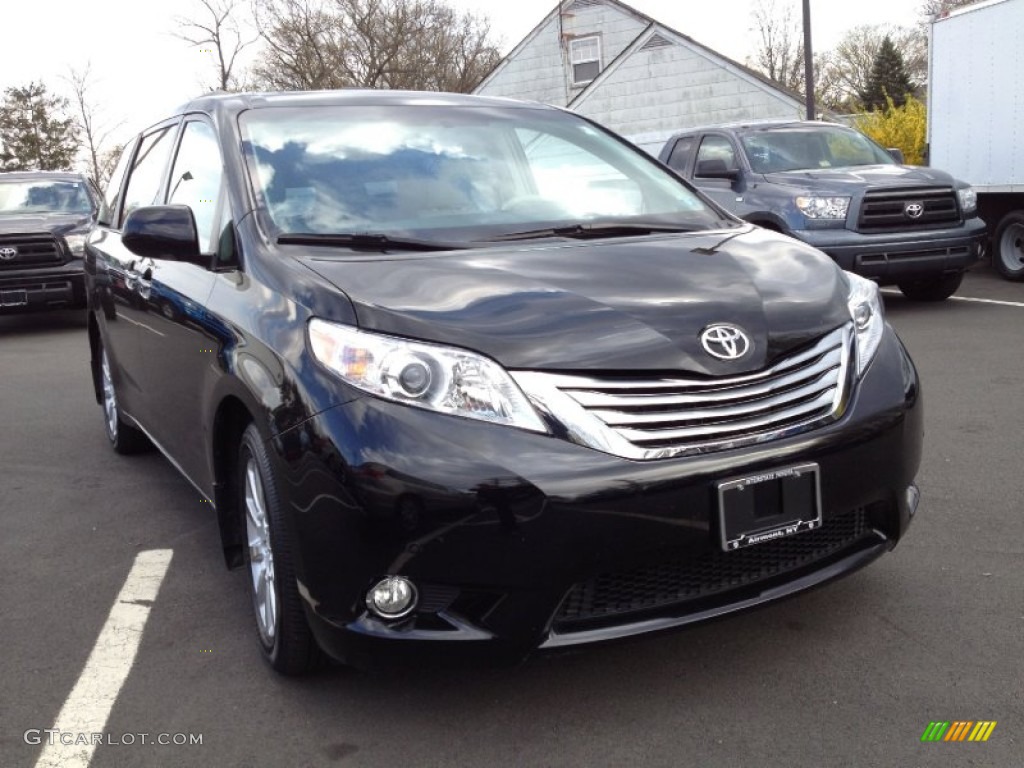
(1008, 246)
(937, 288)
(284, 635)
(124, 439)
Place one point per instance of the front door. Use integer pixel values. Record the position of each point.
(180, 359)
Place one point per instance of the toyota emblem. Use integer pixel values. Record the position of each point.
(913, 210)
(7, 253)
(726, 342)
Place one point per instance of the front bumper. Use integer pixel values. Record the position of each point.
(519, 541)
(890, 257)
(57, 287)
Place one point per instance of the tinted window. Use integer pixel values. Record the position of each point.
(196, 178)
(146, 175)
(715, 153)
(114, 184)
(681, 153)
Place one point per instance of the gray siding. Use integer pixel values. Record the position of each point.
(654, 81)
(659, 91)
(534, 73)
(539, 71)
(616, 29)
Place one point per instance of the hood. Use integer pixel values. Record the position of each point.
(848, 180)
(31, 223)
(614, 305)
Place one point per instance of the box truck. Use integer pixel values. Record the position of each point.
(976, 116)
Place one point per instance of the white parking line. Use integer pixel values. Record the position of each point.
(88, 706)
(969, 299)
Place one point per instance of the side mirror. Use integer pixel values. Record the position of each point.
(716, 169)
(163, 232)
(896, 154)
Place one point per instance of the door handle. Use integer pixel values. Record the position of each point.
(140, 283)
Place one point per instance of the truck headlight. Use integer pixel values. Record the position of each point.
(823, 207)
(968, 200)
(865, 306)
(76, 244)
(443, 379)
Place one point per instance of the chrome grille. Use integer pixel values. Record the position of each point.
(660, 418)
(885, 209)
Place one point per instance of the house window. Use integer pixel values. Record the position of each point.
(585, 56)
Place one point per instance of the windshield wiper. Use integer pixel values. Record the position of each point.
(368, 241)
(585, 231)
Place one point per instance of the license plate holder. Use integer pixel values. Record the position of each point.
(15, 298)
(769, 505)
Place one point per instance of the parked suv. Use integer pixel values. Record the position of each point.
(837, 190)
(44, 220)
(467, 376)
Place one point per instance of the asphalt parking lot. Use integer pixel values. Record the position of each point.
(848, 675)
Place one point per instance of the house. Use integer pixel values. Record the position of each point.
(640, 78)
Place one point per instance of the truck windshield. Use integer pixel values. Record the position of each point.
(808, 147)
(43, 196)
(452, 173)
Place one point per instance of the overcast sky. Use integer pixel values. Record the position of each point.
(142, 71)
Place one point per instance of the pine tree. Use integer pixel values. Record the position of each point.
(888, 78)
(35, 133)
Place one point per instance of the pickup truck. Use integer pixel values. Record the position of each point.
(832, 187)
(44, 220)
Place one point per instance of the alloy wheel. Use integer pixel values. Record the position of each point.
(109, 397)
(261, 556)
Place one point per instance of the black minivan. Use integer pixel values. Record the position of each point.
(474, 377)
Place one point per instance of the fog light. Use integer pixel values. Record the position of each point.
(392, 597)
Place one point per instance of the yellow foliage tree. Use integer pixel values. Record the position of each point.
(902, 127)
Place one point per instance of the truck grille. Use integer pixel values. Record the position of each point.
(29, 251)
(611, 595)
(659, 418)
(892, 209)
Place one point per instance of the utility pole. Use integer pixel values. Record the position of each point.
(808, 61)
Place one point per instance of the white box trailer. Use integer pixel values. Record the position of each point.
(976, 116)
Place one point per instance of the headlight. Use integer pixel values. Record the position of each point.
(823, 207)
(968, 200)
(442, 379)
(865, 306)
(76, 244)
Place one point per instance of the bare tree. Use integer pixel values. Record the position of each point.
(780, 49)
(95, 135)
(222, 33)
(414, 44)
(932, 8)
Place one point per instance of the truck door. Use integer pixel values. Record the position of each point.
(718, 173)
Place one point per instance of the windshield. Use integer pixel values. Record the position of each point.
(804, 148)
(44, 196)
(453, 173)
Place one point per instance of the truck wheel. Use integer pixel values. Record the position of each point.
(1008, 246)
(933, 288)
